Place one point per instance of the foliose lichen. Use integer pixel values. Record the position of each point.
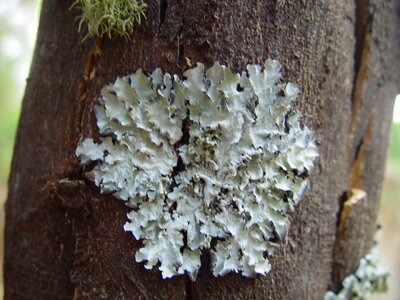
(367, 280)
(110, 17)
(215, 160)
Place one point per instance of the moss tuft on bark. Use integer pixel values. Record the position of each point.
(110, 17)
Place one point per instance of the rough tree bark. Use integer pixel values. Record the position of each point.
(65, 240)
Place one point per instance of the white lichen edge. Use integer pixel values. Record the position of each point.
(215, 160)
(367, 280)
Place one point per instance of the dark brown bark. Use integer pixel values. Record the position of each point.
(65, 240)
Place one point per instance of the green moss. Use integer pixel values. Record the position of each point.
(110, 17)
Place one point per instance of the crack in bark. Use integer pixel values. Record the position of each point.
(362, 31)
(88, 75)
(342, 199)
(358, 163)
(362, 22)
(76, 294)
(361, 56)
(163, 10)
(181, 53)
(181, 48)
(180, 166)
(349, 199)
(189, 287)
(352, 201)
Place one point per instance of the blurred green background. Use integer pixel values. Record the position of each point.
(18, 25)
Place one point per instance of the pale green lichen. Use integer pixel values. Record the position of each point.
(367, 280)
(110, 17)
(214, 156)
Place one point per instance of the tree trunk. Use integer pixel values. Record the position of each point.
(65, 240)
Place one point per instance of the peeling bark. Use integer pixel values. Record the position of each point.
(66, 240)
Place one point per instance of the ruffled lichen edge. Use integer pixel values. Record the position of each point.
(216, 160)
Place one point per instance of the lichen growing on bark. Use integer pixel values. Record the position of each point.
(216, 156)
(367, 280)
(110, 17)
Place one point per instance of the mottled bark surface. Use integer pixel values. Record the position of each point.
(65, 240)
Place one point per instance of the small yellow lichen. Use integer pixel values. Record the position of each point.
(110, 17)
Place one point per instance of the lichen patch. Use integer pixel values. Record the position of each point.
(212, 156)
(367, 280)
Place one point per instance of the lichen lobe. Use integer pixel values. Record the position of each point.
(245, 165)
